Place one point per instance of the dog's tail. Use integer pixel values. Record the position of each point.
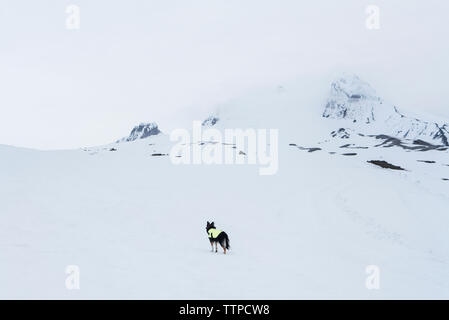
(227, 244)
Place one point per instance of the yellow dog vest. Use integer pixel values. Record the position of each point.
(213, 233)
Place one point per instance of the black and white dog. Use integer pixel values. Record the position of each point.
(217, 236)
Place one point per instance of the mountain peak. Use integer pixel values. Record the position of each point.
(142, 131)
(353, 87)
(210, 121)
(355, 100)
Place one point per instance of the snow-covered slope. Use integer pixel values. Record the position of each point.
(134, 222)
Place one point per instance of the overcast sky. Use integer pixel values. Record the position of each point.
(134, 61)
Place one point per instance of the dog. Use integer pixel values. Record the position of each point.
(217, 236)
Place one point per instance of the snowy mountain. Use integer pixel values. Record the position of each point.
(142, 131)
(134, 222)
(210, 121)
(355, 101)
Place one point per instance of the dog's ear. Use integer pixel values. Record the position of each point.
(212, 224)
(208, 224)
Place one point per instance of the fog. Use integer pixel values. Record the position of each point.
(171, 61)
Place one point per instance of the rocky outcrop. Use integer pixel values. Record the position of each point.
(142, 131)
(209, 122)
